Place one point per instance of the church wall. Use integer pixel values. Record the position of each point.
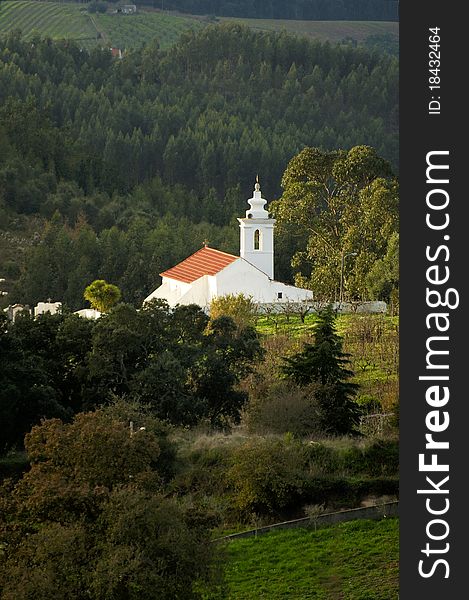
(290, 293)
(170, 290)
(198, 293)
(242, 277)
(238, 277)
(177, 287)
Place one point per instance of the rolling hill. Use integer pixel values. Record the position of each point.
(332, 31)
(72, 21)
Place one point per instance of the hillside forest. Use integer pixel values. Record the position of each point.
(118, 169)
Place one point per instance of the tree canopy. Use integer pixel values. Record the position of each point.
(89, 518)
(353, 10)
(185, 368)
(102, 295)
(337, 213)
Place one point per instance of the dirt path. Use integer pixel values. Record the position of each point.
(102, 35)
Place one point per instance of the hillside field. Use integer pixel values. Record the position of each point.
(132, 31)
(72, 21)
(371, 340)
(58, 21)
(332, 31)
(353, 561)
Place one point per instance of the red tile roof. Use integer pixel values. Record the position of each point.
(205, 261)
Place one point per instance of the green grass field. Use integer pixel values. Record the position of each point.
(351, 561)
(292, 325)
(332, 31)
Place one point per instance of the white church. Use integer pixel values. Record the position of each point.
(210, 273)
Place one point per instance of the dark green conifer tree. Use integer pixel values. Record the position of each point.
(325, 364)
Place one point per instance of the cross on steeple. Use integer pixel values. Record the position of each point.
(206, 243)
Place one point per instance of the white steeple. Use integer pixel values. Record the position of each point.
(257, 203)
(257, 234)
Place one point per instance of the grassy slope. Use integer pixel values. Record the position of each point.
(352, 561)
(374, 361)
(333, 31)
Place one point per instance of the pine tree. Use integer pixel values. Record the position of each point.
(325, 364)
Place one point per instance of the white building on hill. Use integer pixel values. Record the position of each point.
(47, 307)
(210, 273)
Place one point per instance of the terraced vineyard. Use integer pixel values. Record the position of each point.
(132, 31)
(71, 21)
(58, 21)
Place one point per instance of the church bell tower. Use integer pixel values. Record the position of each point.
(257, 234)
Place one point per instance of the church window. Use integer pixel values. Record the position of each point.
(257, 240)
(279, 295)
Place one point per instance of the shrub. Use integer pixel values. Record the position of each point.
(141, 546)
(342, 492)
(285, 407)
(74, 466)
(239, 307)
(369, 404)
(88, 519)
(149, 549)
(376, 459)
(51, 563)
(380, 458)
(322, 459)
(142, 418)
(201, 472)
(268, 475)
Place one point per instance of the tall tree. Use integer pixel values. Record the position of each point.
(342, 207)
(325, 364)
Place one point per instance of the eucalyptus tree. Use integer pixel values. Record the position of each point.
(337, 212)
